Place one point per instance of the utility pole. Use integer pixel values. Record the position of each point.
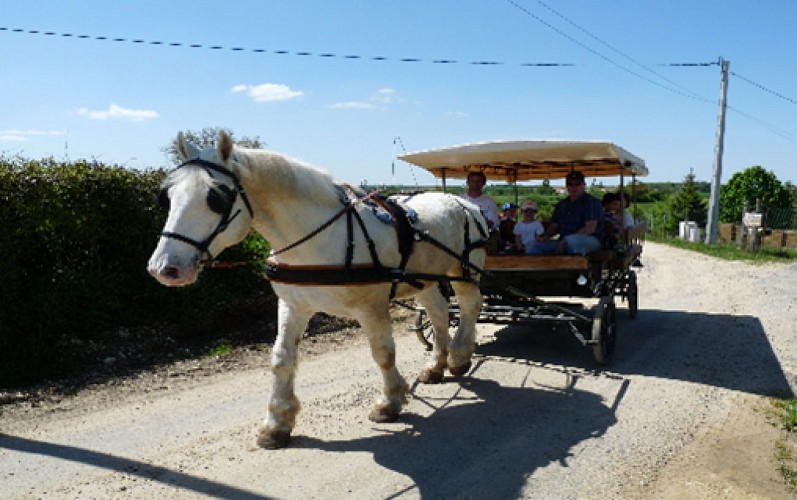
(712, 231)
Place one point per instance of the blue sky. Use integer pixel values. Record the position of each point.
(122, 101)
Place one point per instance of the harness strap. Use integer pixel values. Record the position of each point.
(347, 205)
(209, 165)
(351, 273)
(470, 246)
(358, 274)
(368, 239)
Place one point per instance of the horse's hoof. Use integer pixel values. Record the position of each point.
(273, 440)
(428, 376)
(384, 415)
(459, 371)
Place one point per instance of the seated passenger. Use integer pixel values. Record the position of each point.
(527, 230)
(613, 220)
(474, 193)
(505, 228)
(578, 219)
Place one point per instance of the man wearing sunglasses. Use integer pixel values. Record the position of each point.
(578, 219)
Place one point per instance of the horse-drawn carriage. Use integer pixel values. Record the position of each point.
(333, 251)
(514, 285)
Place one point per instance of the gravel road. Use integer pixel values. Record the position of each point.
(678, 414)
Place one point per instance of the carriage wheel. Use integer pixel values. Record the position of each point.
(423, 329)
(632, 294)
(604, 330)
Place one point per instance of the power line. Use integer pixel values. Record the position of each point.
(691, 95)
(618, 51)
(766, 125)
(326, 55)
(737, 75)
(586, 47)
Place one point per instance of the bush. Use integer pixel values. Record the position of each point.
(75, 239)
(754, 183)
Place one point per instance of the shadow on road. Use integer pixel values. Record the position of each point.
(487, 440)
(720, 350)
(126, 466)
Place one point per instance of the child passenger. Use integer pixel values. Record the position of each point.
(613, 219)
(527, 230)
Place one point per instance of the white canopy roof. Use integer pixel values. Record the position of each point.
(529, 159)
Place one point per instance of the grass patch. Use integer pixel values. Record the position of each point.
(787, 413)
(785, 460)
(728, 251)
(220, 350)
(784, 416)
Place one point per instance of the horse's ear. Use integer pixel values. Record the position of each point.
(225, 146)
(187, 150)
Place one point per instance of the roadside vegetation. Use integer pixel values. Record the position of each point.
(730, 251)
(75, 239)
(783, 415)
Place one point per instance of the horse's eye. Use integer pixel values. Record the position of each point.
(163, 199)
(220, 199)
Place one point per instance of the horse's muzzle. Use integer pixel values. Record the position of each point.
(173, 274)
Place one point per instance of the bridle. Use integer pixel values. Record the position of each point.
(221, 201)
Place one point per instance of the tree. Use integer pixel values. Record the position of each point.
(749, 185)
(686, 204)
(206, 138)
(545, 188)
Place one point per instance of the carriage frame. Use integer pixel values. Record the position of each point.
(532, 289)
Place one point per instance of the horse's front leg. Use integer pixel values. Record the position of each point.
(436, 305)
(464, 343)
(283, 405)
(379, 329)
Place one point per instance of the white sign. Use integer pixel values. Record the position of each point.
(751, 219)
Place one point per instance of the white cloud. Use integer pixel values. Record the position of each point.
(352, 105)
(382, 98)
(268, 92)
(116, 111)
(14, 135)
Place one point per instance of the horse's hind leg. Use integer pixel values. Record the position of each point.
(283, 405)
(378, 327)
(464, 343)
(437, 308)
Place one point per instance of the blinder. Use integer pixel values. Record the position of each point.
(221, 199)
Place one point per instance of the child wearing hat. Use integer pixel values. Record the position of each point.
(506, 227)
(527, 230)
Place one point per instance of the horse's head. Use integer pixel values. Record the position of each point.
(208, 212)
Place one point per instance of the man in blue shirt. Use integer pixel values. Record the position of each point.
(578, 219)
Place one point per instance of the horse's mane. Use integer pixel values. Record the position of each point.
(288, 174)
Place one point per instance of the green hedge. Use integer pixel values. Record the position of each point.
(75, 239)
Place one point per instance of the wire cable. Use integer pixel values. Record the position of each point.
(605, 58)
(767, 126)
(737, 75)
(278, 52)
(618, 51)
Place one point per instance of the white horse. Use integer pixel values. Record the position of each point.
(219, 194)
